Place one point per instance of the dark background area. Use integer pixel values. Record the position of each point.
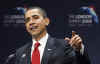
(12, 37)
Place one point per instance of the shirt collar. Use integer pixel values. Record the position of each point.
(42, 41)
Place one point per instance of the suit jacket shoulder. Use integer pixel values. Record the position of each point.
(23, 54)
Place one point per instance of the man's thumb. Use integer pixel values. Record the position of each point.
(67, 39)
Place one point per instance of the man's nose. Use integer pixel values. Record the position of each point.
(32, 22)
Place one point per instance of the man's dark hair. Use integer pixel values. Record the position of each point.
(42, 11)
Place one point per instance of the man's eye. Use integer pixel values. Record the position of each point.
(27, 19)
(35, 17)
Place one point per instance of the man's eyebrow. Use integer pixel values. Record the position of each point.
(35, 15)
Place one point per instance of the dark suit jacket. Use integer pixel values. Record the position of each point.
(57, 51)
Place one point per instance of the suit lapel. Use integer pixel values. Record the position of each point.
(49, 50)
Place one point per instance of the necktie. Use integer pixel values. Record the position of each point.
(36, 54)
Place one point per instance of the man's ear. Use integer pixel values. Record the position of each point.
(47, 21)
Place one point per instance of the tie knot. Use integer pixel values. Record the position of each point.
(37, 44)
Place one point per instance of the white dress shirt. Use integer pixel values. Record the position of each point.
(41, 48)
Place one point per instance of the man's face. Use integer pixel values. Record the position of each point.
(35, 22)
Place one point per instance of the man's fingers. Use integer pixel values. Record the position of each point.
(73, 39)
(78, 40)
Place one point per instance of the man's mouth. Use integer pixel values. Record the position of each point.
(33, 27)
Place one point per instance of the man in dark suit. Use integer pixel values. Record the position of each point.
(45, 49)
